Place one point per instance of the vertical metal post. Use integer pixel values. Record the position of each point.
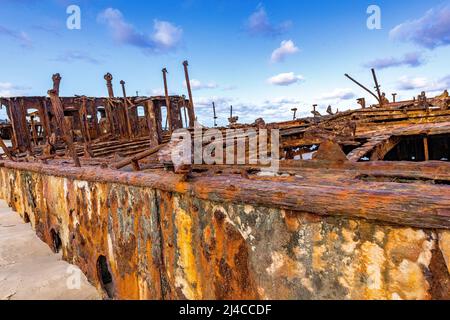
(191, 101)
(377, 87)
(166, 91)
(108, 77)
(295, 113)
(394, 95)
(215, 116)
(33, 130)
(426, 148)
(125, 104)
(56, 82)
(83, 118)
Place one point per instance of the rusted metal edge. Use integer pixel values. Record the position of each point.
(414, 205)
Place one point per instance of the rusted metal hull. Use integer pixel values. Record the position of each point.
(168, 239)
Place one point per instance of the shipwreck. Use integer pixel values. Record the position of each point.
(359, 207)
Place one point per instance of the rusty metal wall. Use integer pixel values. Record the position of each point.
(167, 245)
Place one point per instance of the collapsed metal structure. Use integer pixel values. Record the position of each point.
(359, 208)
(43, 125)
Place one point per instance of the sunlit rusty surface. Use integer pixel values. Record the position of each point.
(359, 208)
(168, 244)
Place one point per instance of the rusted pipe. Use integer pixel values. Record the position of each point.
(214, 113)
(56, 82)
(377, 87)
(166, 91)
(108, 77)
(295, 113)
(362, 86)
(134, 159)
(191, 101)
(127, 115)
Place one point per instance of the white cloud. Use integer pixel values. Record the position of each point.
(286, 48)
(339, 94)
(20, 36)
(165, 36)
(259, 24)
(412, 59)
(8, 89)
(207, 101)
(198, 85)
(271, 110)
(285, 79)
(422, 83)
(430, 31)
(283, 100)
(71, 56)
(229, 88)
(412, 83)
(157, 92)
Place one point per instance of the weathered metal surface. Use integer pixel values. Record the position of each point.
(332, 227)
(172, 244)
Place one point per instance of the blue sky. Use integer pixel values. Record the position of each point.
(264, 58)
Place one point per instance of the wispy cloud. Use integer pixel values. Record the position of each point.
(415, 83)
(218, 101)
(286, 48)
(411, 83)
(338, 94)
(259, 24)
(229, 87)
(76, 56)
(8, 89)
(271, 110)
(413, 59)
(283, 100)
(164, 38)
(157, 92)
(285, 79)
(198, 85)
(432, 30)
(20, 36)
(50, 28)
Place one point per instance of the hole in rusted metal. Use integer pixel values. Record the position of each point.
(26, 217)
(56, 240)
(105, 276)
(421, 148)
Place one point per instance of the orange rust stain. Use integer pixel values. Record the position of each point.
(291, 220)
(187, 277)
